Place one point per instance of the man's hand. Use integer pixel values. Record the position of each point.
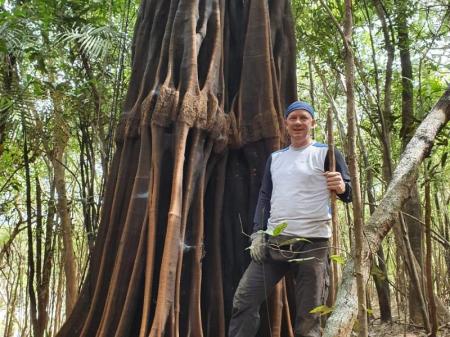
(258, 247)
(335, 182)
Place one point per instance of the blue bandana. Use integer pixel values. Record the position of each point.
(297, 105)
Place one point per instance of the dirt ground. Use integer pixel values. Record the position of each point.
(378, 329)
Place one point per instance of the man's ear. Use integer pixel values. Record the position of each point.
(313, 124)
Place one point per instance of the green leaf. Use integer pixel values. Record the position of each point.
(5, 104)
(279, 229)
(337, 258)
(322, 310)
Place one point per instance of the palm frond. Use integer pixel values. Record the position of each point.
(93, 41)
(14, 35)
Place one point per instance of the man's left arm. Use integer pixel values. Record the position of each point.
(339, 181)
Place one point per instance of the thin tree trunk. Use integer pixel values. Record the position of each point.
(412, 205)
(87, 175)
(311, 90)
(56, 155)
(386, 113)
(311, 84)
(360, 257)
(42, 289)
(47, 262)
(414, 274)
(445, 225)
(59, 295)
(428, 266)
(331, 101)
(31, 263)
(385, 140)
(66, 231)
(381, 282)
(334, 215)
(98, 122)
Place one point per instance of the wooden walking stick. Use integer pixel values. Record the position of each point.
(334, 220)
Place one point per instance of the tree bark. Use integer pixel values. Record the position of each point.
(31, 271)
(428, 267)
(60, 139)
(44, 257)
(445, 225)
(385, 116)
(414, 274)
(354, 172)
(381, 282)
(386, 112)
(412, 205)
(334, 215)
(342, 319)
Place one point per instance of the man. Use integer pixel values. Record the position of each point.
(295, 192)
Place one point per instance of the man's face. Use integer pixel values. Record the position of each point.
(299, 124)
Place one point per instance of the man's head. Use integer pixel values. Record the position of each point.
(299, 121)
(298, 105)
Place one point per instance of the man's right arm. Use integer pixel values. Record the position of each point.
(262, 211)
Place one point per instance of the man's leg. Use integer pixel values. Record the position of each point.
(311, 287)
(256, 284)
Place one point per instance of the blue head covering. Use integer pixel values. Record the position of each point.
(297, 105)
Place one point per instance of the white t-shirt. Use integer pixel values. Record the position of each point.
(294, 189)
(300, 196)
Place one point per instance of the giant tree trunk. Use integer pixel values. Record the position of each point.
(210, 79)
(344, 315)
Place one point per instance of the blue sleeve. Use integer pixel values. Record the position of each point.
(262, 211)
(342, 168)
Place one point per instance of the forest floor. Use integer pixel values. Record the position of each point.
(397, 329)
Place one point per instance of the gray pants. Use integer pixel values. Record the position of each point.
(311, 286)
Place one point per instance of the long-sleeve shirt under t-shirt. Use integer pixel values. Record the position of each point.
(294, 191)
